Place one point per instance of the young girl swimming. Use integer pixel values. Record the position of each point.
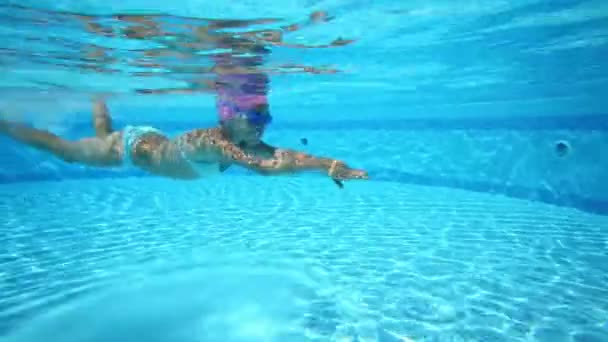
(188, 156)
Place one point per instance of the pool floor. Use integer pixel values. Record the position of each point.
(241, 258)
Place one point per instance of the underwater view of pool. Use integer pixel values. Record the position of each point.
(482, 126)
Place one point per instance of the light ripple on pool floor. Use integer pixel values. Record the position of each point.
(275, 259)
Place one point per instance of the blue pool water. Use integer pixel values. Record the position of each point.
(156, 260)
(473, 226)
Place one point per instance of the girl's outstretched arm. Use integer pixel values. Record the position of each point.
(207, 142)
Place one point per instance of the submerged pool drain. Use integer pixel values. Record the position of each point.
(562, 148)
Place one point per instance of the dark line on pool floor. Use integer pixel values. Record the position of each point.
(569, 200)
(591, 205)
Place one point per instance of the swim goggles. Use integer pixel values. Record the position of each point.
(229, 110)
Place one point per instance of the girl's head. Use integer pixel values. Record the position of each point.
(244, 117)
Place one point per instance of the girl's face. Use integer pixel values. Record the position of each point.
(242, 131)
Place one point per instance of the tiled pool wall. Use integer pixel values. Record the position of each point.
(559, 160)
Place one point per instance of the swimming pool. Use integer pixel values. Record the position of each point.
(474, 226)
(242, 257)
